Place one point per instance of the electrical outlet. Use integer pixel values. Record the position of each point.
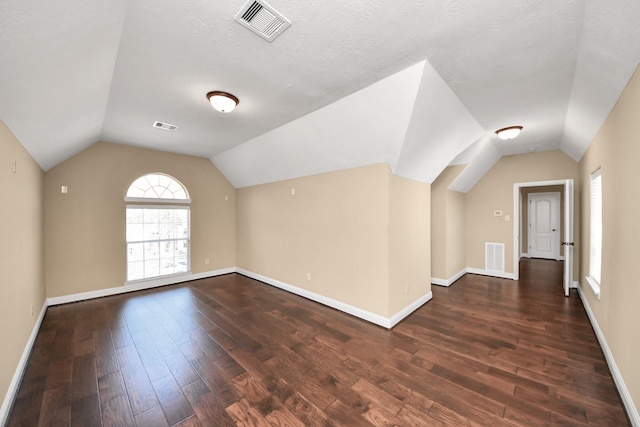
(32, 312)
(309, 276)
(406, 291)
(206, 261)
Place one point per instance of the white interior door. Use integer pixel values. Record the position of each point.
(544, 225)
(568, 236)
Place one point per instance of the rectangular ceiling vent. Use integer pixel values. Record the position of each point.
(165, 126)
(262, 19)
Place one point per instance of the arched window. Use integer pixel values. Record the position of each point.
(158, 227)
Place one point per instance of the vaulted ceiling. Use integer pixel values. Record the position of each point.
(417, 84)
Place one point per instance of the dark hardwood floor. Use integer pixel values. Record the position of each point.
(230, 350)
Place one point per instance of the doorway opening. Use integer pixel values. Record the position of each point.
(567, 187)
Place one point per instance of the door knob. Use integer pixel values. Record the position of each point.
(553, 229)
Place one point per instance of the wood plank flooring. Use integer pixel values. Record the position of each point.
(232, 351)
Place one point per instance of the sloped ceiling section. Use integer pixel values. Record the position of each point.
(479, 158)
(363, 128)
(441, 127)
(607, 57)
(57, 64)
(412, 120)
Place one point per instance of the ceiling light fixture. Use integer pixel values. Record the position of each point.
(508, 132)
(222, 101)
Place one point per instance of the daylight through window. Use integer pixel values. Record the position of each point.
(158, 227)
(595, 245)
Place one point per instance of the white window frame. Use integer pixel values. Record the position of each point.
(160, 203)
(594, 278)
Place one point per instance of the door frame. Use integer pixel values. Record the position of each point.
(568, 226)
(558, 216)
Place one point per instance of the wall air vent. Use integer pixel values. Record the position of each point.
(494, 256)
(262, 19)
(165, 126)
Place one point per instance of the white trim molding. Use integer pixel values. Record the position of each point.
(492, 273)
(150, 200)
(440, 282)
(405, 312)
(385, 322)
(632, 410)
(138, 286)
(10, 397)
(594, 285)
(517, 219)
(450, 280)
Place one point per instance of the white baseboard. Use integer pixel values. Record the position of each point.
(439, 282)
(492, 273)
(385, 322)
(450, 280)
(138, 286)
(399, 316)
(632, 410)
(9, 398)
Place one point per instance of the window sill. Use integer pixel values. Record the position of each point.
(595, 286)
(167, 279)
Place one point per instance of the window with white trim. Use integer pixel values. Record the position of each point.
(595, 240)
(158, 227)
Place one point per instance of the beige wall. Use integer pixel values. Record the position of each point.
(336, 229)
(409, 242)
(495, 192)
(448, 225)
(85, 238)
(456, 232)
(525, 191)
(616, 151)
(21, 252)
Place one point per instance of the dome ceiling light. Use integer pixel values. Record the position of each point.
(222, 101)
(508, 132)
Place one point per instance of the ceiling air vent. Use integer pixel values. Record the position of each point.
(165, 126)
(262, 19)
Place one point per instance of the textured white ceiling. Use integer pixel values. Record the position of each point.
(607, 56)
(56, 64)
(440, 128)
(334, 137)
(74, 72)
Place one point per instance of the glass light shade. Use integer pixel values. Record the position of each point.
(508, 133)
(222, 101)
